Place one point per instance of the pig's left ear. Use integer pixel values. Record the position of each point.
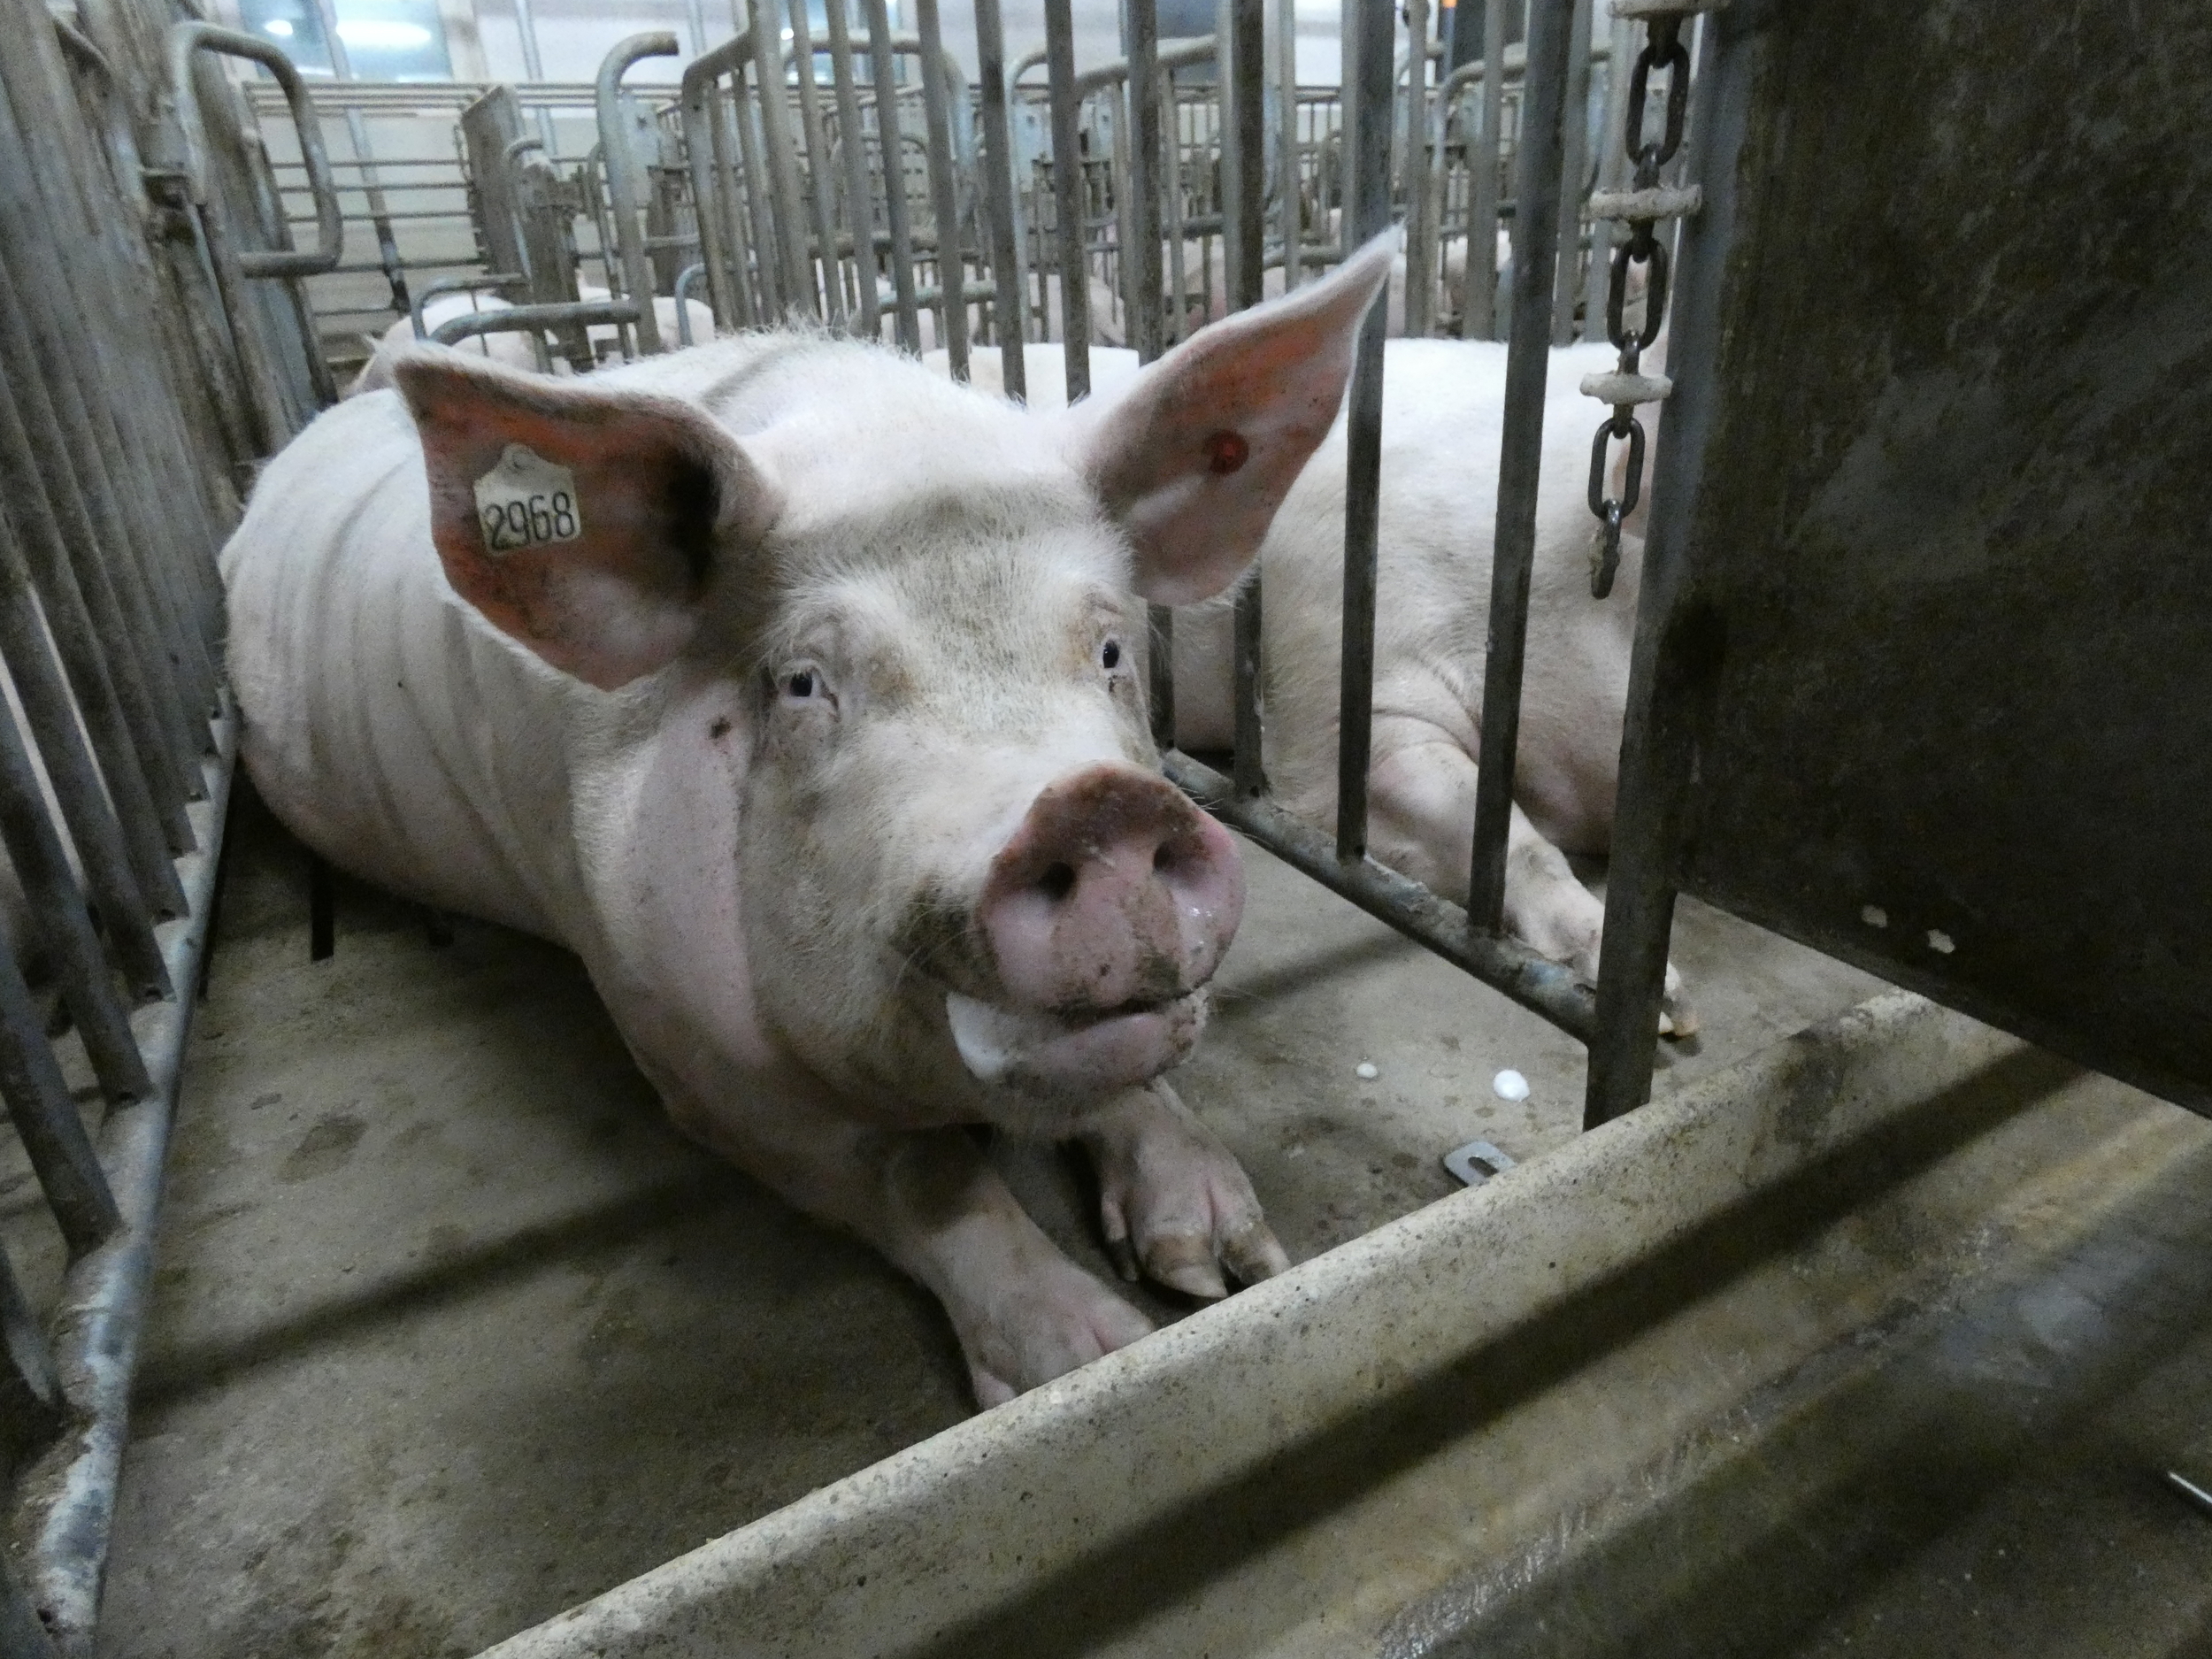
(1196, 456)
(586, 523)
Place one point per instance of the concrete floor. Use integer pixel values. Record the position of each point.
(451, 1331)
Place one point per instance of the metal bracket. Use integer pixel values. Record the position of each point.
(1476, 1163)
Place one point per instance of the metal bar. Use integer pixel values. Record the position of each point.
(185, 40)
(1067, 192)
(860, 210)
(1365, 216)
(698, 92)
(1246, 136)
(1574, 149)
(61, 925)
(621, 164)
(1528, 360)
(822, 188)
(1613, 169)
(744, 124)
(1478, 303)
(65, 1499)
(998, 178)
(1143, 106)
(884, 79)
(783, 169)
(1654, 761)
(1292, 182)
(30, 1415)
(685, 278)
(93, 827)
(944, 194)
(129, 755)
(46, 1120)
(1420, 222)
(524, 319)
(1537, 983)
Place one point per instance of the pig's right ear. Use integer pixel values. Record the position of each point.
(1196, 456)
(589, 524)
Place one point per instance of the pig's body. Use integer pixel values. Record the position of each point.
(840, 787)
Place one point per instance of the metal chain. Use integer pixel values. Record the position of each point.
(1640, 207)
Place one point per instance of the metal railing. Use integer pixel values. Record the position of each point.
(154, 345)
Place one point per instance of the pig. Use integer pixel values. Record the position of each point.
(796, 690)
(1443, 408)
(513, 349)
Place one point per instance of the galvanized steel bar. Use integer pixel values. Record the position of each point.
(1574, 147)
(998, 178)
(1142, 257)
(1067, 193)
(46, 1120)
(696, 96)
(66, 1495)
(188, 39)
(30, 1414)
(1479, 302)
(1291, 180)
(1365, 215)
(1536, 221)
(944, 194)
(860, 200)
(885, 77)
(788, 213)
(1535, 982)
(1420, 215)
(527, 319)
(822, 188)
(1244, 57)
(621, 166)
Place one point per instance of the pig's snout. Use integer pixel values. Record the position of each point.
(1116, 893)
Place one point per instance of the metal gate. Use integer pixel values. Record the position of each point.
(153, 345)
(1920, 669)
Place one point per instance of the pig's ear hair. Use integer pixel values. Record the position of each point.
(1196, 456)
(589, 524)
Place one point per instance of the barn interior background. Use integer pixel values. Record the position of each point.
(1899, 1323)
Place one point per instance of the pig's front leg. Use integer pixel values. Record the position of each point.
(931, 1203)
(1174, 1200)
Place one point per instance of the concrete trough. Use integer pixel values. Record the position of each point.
(1886, 1331)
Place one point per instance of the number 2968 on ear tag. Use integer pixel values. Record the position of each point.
(525, 501)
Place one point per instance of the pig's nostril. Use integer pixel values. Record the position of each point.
(1056, 882)
(1163, 855)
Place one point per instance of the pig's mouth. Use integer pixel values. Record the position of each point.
(1089, 1051)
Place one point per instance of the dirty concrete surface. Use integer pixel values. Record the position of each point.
(451, 1331)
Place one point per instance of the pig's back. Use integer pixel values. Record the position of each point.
(386, 725)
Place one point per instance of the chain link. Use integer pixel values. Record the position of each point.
(1645, 206)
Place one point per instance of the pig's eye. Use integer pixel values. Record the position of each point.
(803, 684)
(1110, 656)
(799, 685)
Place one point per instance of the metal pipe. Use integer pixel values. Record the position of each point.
(620, 162)
(65, 1498)
(1366, 215)
(1574, 146)
(1292, 185)
(783, 170)
(1479, 300)
(944, 194)
(1067, 192)
(822, 188)
(493, 280)
(1535, 234)
(46, 1120)
(685, 278)
(860, 210)
(998, 177)
(1246, 136)
(1545, 987)
(1420, 222)
(185, 40)
(522, 319)
(884, 79)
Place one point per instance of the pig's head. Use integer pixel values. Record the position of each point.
(965, 885)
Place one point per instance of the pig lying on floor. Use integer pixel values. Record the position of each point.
(794, 690)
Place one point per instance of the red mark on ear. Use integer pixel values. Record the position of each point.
(1226, 451)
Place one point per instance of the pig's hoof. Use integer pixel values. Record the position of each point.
(1677, 1018)
(1039, 1330)
(1175, 1203)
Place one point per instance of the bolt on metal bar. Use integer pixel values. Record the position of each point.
(1366, 215)
(868, 314)
(1535, 235)
(1067, 192)
(46, 1120)
(944, 194)
(822, 185)
(622, 168)
(998, 174)
(885, 77)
